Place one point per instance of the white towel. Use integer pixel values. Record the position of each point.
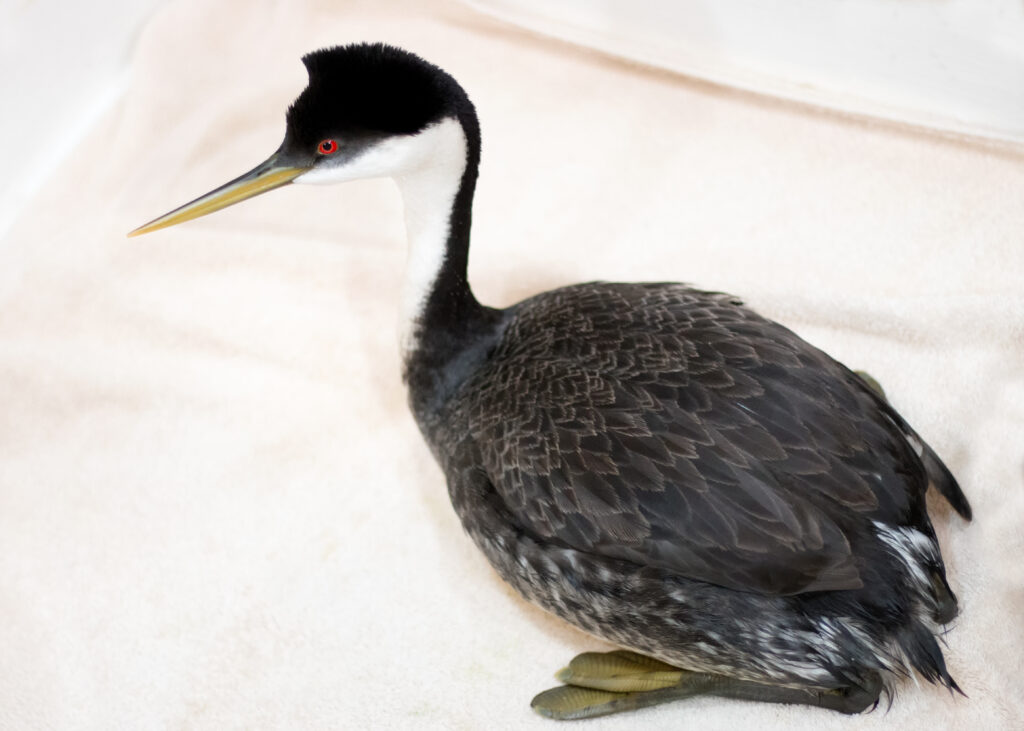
(215, 509)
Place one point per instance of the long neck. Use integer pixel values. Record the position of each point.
(440, 315)
(437, 195)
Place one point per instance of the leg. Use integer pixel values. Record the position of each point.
(599, 684)
(851, 699)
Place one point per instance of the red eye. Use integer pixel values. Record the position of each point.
(327, 147)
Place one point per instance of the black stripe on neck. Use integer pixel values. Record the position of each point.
(450, 335)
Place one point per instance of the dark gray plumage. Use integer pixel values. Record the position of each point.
(664, 467)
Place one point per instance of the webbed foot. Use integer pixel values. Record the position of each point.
(598, 684)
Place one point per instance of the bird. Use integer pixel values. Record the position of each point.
(659, 465)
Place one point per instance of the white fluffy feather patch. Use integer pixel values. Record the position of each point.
(914, 548)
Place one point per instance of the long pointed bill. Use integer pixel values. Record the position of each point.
(265, 176)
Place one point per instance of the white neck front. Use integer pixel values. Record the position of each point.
(428, 193)
(428, 168)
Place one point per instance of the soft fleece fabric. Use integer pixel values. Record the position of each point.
(215, 509)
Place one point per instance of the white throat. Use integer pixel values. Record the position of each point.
(428, 193)
(428, 168)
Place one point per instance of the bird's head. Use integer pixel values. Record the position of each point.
(369, 110)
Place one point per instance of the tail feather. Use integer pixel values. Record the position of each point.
(943, 480)
(923, 652)
(945, 600)
(938, 474)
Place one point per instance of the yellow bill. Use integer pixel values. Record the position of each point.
(266, 176)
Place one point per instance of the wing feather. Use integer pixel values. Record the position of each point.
(677, 429)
